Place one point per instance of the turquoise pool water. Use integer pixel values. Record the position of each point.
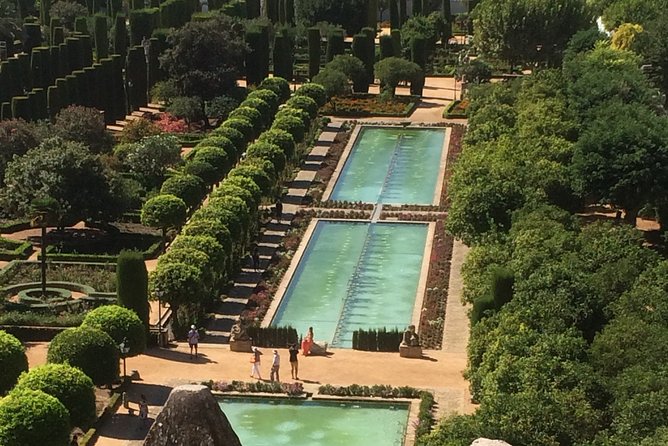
(354, 275)
(392, 166)
(268, 422)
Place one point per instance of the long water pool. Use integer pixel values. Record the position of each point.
(354, 275)
(392, 166)
(269, 422)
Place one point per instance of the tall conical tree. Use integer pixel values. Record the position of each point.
(132, 284)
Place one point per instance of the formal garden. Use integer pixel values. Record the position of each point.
(557, 183)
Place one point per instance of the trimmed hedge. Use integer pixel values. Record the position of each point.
(89, 349)
(278, 85)
(121, 324)
(235, 136)
(278, 337)
(305, 103)
(70, 385)
(13, 361)
(188, 188)
(314, 91)
(377, 340)
(32, 417)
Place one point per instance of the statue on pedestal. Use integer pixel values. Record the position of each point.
(411, 338)
(238, 333)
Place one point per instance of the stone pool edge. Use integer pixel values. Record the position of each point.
(343, 160)
(442, 166)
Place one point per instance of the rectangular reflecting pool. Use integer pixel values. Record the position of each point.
(269, 422)
(354, 275)
(392, 165)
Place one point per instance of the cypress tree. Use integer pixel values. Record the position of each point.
(86, 50)
(5, 111)
(120, 37)
(253, 8)
(313, 52)
(58, 35)
(135, 73)
(101, 38)
(20, 68)
(272, 10)
(395, 22)
(21, 108)
(40, 110)
(290, 12)
(281, 12)
(396, 42)
(253, 40)
(386, 46)
(114, 7)
(63, 94)
(403, 15)
(419, 51)
(283, 56)
(117, 84)
(63, 60)
(447, 16)
(335, 44)
(372, 13)
(74, 55)
(81, 25)
(54, 23)
(132, 284)
(417, 7)
(33, 36)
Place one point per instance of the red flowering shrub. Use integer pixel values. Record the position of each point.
(170, 124)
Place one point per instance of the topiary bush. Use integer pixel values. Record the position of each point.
(164, 211)
(121, 323)
(265, 110)
(209, 174)
(210, 228)
(278, 85)
(314, 91)
(215, 156)
(304, 103)
(256, 173)
(291, 124)
(297, 113)
(32, 417)
(244, 126)
(70, 385)
(334, 82)
(270, 152)
(281, 138)
(222, 142)
(89, 349)
(246, 184)
(13, 361)
(188, 188)
(267, 96)
(132, 284)
(250, 114)
(233, 135)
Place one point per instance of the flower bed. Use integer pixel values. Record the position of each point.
(343, 204)
(291, 389)
(454, 150)
(328, 166)
(102, 277)
(410, 216)
(436, 295)
(457, 109)
(365, 105)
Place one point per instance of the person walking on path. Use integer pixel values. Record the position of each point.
(255, 360)
(278, 209)
(294, 361)
(275, 365)
(143, 411)
(193, 340)
(255, 255)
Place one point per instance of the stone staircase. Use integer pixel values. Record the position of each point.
(118, 126)
(230, 306)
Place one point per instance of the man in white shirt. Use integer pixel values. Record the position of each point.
(275, 364)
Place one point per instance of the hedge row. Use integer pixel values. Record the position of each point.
(222, 230)
(377, 340)
(280, 337)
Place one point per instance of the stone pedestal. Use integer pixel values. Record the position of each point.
(241, 346)
(406, 351)
(319, 348)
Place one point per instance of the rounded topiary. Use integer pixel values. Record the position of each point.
(215, 156)
(268, 96)
(233, 135)
(244, 126)
(314, 91)
(236, 191)
(265, 110)
(247, 184)
(188, 188)
(164, 211)
(70, 385)
(278, 85)
(221, 142)
(32, 417)
(121, 324)
(281, 138)
(257, 173)
(208, 173)
(90, 349)
(270, 152)
(297, 113)
(304, 103)
(291, 124)
(13, 361)
(249, 113)
(211, 228)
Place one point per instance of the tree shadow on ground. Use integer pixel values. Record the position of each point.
(178, 356)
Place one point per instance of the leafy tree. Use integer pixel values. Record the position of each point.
(150, 158)
(334, 82)
(622, 156)
(65, 171)
(122, 324)
(528, 31)
(347, 13)
(84, 125)
(179, 283)
(164, 212)
(89, 349)
(13, 361)
(33, 417)
(16, 138)
(67, 12)
(189, 108)
(392, 70)
(617, 12)
(624, 36)
(69, 385)
(189, 188)
(476, 71)
(352, 67)
(204, 56)
(132, 284)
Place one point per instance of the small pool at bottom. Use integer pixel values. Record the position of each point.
(267, 422)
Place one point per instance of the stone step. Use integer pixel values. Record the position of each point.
(114, 128)
(161, 107)
(236, 300)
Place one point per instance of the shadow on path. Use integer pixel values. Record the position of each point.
(178, 356)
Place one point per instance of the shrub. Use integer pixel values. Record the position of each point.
(190, 256)
(189, 108)
(222, 142)
(314, 91)
(380, 340)
(393, 70)
(278, 85)
(210, 228)
(280, 337)
(32, 417)
(265, 110)
(234, 135)
(304, 103)
(353, 68)
(89, 349)
(293, 125)
(138, 129)
(132, 284)
(84, 125)
(244, 126)
(334, 82)
(13, 361)
(165, 91)
(289, 112)
(256, 173)
(189, 188)
(281, 138)
(205, 244)
(164, 211)
(220, 107)
(69, 385)
(250, 114)
(232, 190)
(121, 323)
(215, 156)
(268, 96)
(208, 173)
(246, 184)
(270, 152)
(482, 307)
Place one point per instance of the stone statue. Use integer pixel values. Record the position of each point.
(411, 338)
(204, 4)
(238, 333)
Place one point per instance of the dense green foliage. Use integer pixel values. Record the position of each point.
(132, 284)
(70, 385)
(89, 349)
(32, 417)
(13, 361)
(122, 324)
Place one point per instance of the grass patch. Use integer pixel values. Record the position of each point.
(102, 277)
(370, 105)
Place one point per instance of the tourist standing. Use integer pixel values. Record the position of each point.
(255, 255)
(143, 411)
(278, 209)
(294, 362)
(193, 340)
(275, 365)
(255, 360)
